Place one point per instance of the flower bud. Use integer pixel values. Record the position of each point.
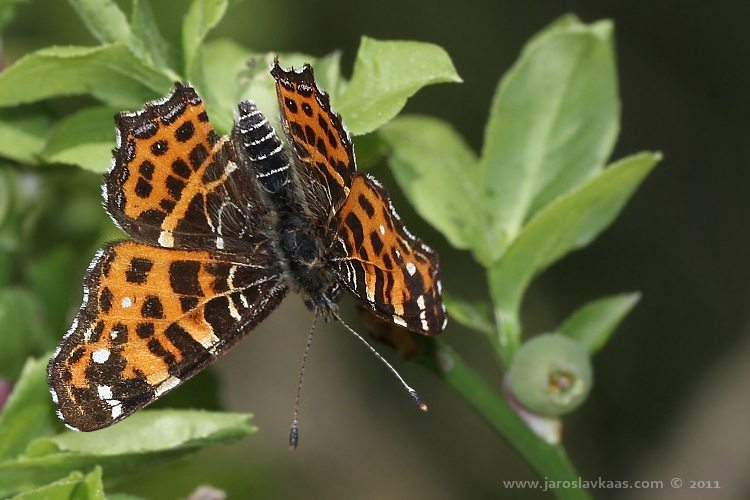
(550, 375)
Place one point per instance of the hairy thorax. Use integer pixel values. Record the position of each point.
(307, 264)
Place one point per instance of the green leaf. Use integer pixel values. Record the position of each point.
(147, 42)
(110, 73)
(385, 75)
(157, 430)
(122, 496)
(85, 138)
(29, 413)
(438, 173)
(593, 324)
(569, 223)
(104, 20)
(22, 133)
(74, 487)
(201, 18)
(553, 123)
(143, 441)
(227, 63)
(20, 329)
(475, 315)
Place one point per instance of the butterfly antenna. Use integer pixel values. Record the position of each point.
(422, 406)
(294, 432)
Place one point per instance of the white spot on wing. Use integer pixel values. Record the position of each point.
(233, 310)
(167, 385)
(382, 229)
(399, 320)
(420, 302)
(425, 326)
(219, 243)
(54, 396)
(126, 302)
(411, 268)
(100, 355)
(116, 411)
(105, 392)
(166, 239)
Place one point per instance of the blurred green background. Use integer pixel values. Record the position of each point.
(670, 396)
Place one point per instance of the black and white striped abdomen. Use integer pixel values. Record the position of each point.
(257, 142)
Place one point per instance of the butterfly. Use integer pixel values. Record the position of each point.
(222, 228)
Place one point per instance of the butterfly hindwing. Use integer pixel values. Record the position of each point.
(151, 318)
(175, 182)
(383, 265)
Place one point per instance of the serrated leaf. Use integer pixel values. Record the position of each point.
(553, 123)
(386, 74)
(28, 413)
(569, 223)
(201, 18)
(110, 73)
(593, 324)
(147, 41)
(22, 133)
(145, 440)
(74, 487)
(438, 172)
(85, 138)
(104, 20)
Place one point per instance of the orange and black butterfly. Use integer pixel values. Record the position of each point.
(223, 227)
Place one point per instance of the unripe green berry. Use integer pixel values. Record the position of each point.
(550, 375)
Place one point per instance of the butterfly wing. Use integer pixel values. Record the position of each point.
(174, 182)
(383, 265)
(150, 319)
(317, 136)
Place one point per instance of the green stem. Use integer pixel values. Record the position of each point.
(548, 461)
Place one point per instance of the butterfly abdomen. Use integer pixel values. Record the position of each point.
(257, 143)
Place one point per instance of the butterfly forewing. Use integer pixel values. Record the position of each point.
(175, 182)
(383, 265)
(151, 318)
(315, 133)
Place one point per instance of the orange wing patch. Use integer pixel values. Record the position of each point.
(174, 181)
(151, 318)
(316, 132)
(384, 266)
